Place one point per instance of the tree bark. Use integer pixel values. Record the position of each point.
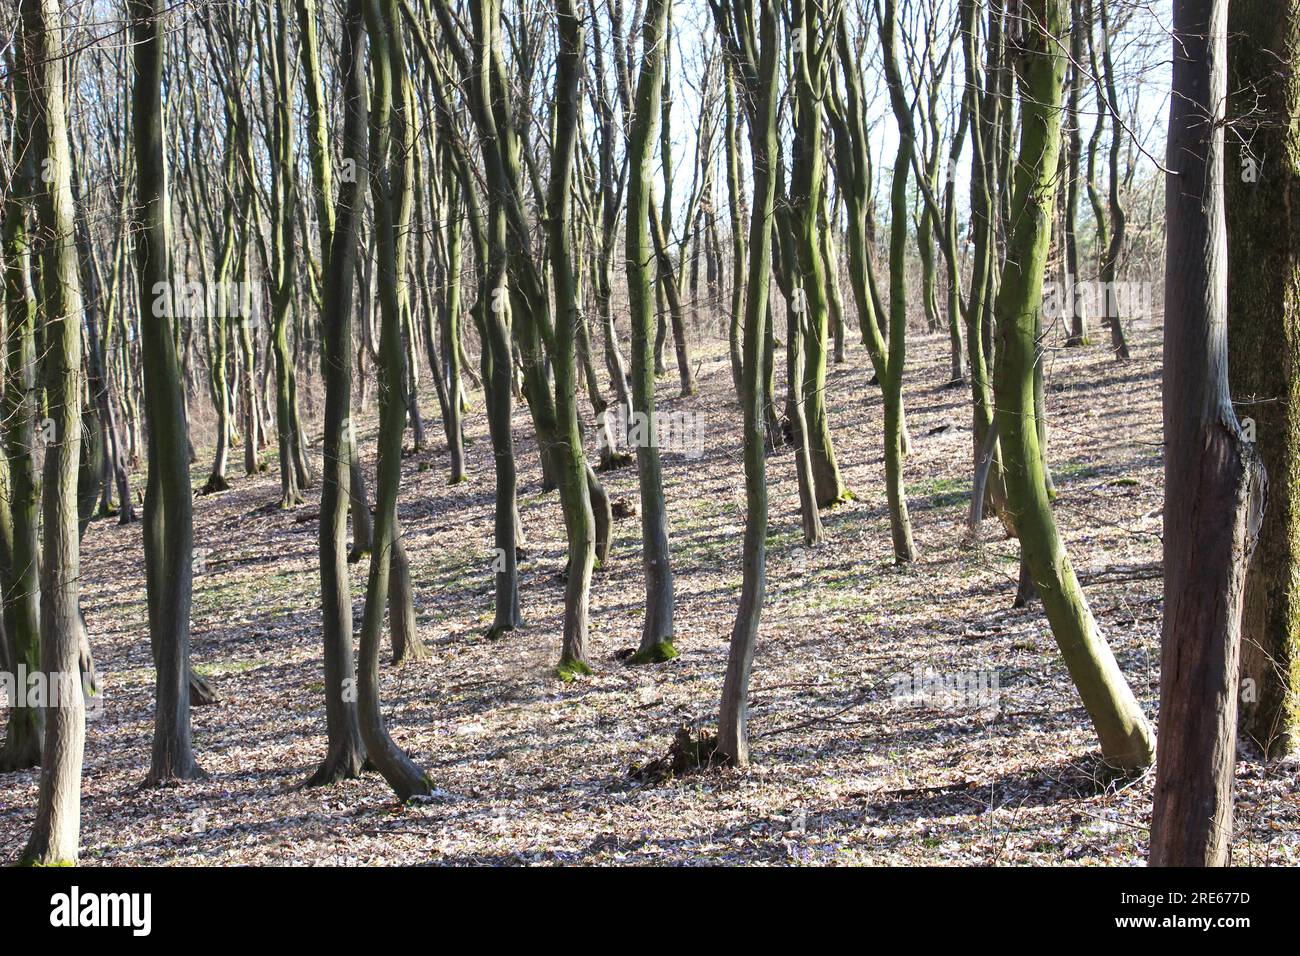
(22, 590)
(1214, 485)
(657, 633)
(758, 82)
(168, 532)
(345, 752)
(55, 833)
(1264, 349)
(1118, 719)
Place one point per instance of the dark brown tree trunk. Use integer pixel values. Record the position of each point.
(345, 753)
(1213, 483)
(168, 533)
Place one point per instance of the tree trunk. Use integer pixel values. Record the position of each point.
(55, 832)
(22, 590)
(1264, 343)
(1214, 486)
(1119, 722)
(168, 532)
(760, 84)
(390, 189)
(570, 463)
(657, 633)
(892, 382)
(345, 754)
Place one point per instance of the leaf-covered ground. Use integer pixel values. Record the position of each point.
(532, 770)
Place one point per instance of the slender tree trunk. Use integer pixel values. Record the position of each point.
(453, 424)
(1079, 28)
(808, 182)
(22, 590)
(760, 85)
(55, 833)
(1118, 719)
(657, 633)
(736, 205)
(345, 753)
(390, 189)
(892, 383)
(570, 464)
(168, 533)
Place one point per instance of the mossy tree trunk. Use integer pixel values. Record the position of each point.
(1118, 719)
(985, 107)
(491, 311)
(754, 52)
(657, 633)
(56, 831)
(808, 197)
(578, 517)
(391, 194)
(891, 382)
(22, 590)
(284, 198)
(1264, 344)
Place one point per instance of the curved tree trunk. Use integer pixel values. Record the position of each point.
(390, 189)
(1118, 719)
(760, 84)
(345, 754)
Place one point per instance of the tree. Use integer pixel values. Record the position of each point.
(390, 188)
(1214, 484)
(755, 55)
(1080, 29)
(811, 64)
(22, 592)
(657, 632)
(892, 382)
(1118, 719)
(570, 463)
(1264, 350)
(345, 755)
(847, 111)
(1108, 103)
(55, 833)
(491, 308)
(168, 518)
(284, 198)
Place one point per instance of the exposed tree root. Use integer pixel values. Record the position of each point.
(691, 751)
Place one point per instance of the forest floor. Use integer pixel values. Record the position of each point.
(532, 770)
